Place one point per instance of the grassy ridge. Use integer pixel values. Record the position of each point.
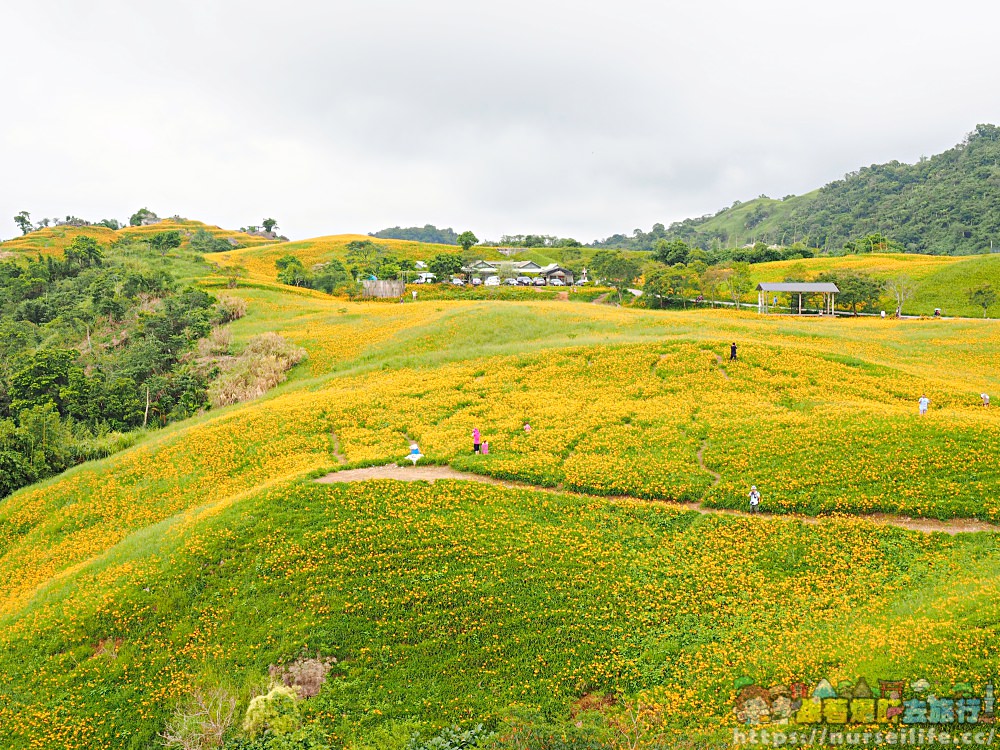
(54, 240)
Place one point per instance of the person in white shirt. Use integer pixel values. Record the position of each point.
(986, 398)
(924, 403)
(754, 500)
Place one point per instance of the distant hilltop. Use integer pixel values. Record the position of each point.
(948, 204)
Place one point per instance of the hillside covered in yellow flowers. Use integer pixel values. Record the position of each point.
(206, 561)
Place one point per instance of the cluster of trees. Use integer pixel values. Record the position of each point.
(94, 344)
(535, 240)
(24, 223)
(947, 204)
(267, 225)
(331, 277)
(365, 259)
(427, 233)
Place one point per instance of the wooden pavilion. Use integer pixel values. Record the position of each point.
(828, 290)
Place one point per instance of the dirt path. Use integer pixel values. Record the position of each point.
(433, 473)
(341, 459)
(716, 477)
(722, 368)
(601, 299)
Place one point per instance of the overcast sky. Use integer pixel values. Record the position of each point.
(571, 118)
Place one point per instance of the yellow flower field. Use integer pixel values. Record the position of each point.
(205, 552)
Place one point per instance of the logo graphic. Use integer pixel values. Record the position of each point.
(893, 702)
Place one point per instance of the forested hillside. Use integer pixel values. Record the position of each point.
(101, 341)
(948, 204)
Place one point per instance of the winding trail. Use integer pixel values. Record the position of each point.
(433, 473)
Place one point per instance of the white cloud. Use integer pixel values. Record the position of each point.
(579, 118)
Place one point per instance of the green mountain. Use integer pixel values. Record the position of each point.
(948, 204)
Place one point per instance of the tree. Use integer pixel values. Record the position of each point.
(292, 272)
(984, 296)
(331, 276)
(467, 239)
(656, 287)
(143, 214)
(23, 221)
(902, 288)
(164, 241)
(445, 265)
(365, 256)
(203, 241)
(671, 253)
(876, 242)
(616, 270)
(739, 282)
(857, 290)
(47, 377)
(84, 251)
(664, 284)
(269, 224)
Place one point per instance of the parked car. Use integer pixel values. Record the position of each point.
(476, 281)
(557, 282)
(510, 282)
(539, 281)
(425, 278)
(581, 282)
(524, 280)
(492, 281)
(458, 282)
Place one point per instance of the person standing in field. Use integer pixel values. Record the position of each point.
(476, 441)
(924, 403)
(986, 399)
(754, 500)
(527, 427)
(732, 351)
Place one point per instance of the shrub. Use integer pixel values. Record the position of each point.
(201, 721)
(452, 738)
(231, 308)
(277, 711)
(306, 676)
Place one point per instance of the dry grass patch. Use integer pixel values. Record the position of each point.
(262, 365)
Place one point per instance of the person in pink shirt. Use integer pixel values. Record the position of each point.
(475, 440)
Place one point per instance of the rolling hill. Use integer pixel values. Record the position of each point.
(565, 605)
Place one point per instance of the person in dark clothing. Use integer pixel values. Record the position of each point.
(732, 351)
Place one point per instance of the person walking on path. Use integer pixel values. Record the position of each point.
(476, 441)
(986, 399)
(732, 351)
(754, 500)
(924, 403)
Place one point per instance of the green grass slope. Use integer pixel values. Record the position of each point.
(942, 281)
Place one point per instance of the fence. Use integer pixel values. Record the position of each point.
(382, 288)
